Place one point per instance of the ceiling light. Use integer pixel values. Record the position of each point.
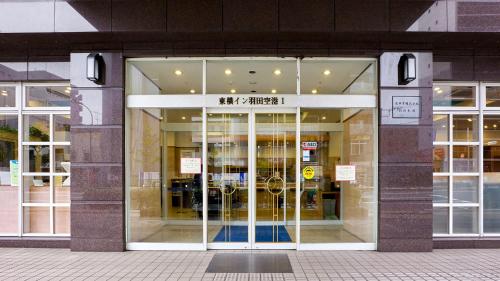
(314, 91)
(273, 91)
(178, 72)
(192, 91)
(444, 126)
(233, 91)
(4, 93)
(326, 72)
(228, 71)
(486, 126)
(437, 89)
(323, 118)
(68, 88)
(470, 119)
(277, 72)
(494, 125)
(210, 114)
(183, 117)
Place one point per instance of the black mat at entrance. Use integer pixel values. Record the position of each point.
(250, 263)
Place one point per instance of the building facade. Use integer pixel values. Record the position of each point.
(229, 124)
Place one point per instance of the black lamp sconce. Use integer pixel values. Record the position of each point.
(407, 69)
(95, 68)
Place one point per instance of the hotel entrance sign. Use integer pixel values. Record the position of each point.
(251, 100)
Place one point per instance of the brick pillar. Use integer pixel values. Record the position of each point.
(97, 157)
(405, 158)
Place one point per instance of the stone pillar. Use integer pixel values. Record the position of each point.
(97, 157)
(405, 157)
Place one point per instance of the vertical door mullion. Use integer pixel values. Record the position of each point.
(482, 100)
(19, 93)
(297, 178)
(252, 190)
(450, 167)
(204, 177)
(51, 172)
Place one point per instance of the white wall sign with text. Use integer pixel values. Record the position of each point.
(345, 173)
(190, 165)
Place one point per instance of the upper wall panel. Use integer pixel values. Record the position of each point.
(173, 16)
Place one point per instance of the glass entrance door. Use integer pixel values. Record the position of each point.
(275, 180)
(251, 175)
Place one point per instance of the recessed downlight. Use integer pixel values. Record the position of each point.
(327, 72)
(183, 117)
(437, 89)
(314, 91)
(4, 93)
(323, 118)
(273, 91)
(178, 72)
(233, 91)
(277, 72)
(228, 71)
(192, 91)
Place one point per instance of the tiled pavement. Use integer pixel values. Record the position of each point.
(57, 264)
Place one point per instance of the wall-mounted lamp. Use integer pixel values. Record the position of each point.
(407, 69)
(95, 68)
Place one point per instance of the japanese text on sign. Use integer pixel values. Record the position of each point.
(251, 101)
(406, 107)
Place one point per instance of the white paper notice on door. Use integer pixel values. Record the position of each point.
(345, 173)
(190, 165)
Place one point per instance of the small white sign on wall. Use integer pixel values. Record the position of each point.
(190, 165)
(345, 173)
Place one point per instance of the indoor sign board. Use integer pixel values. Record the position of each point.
(345, 173)
(190, 165)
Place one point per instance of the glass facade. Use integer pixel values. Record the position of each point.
(35, 160)
(465, 197)
(222, 155)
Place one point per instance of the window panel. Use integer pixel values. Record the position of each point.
(36, 128)
(465, 128)
(62, 128)
(9, 182)
(48, 96)
(440, 128)
(36, 220)
(62, 221)
(454, 96)
(465, 158)
(465, 220)
(440, 158)
(62, 186)
(36, 189)
(7, 96)
(493, 96)
(36, 158)
(441, 189)
(440, 224)
(465, 189)
(61, 159)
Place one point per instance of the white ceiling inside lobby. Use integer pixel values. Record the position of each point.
(339, 76)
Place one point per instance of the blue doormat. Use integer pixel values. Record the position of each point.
(264, 233)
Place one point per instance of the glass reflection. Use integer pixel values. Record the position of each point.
(440, 224)
(440, 158)
(465, 158)
(7, 96)
(333, 208)
(465, 128)
(166, 176)
(227, 178)
(454, 96)
(440, 189)
(275, 186)
(465, 189)
(491, 179)
(440, 128)
(39, 128)
(465, 220)
(48, 96)
(9, 182)
(492, 96)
